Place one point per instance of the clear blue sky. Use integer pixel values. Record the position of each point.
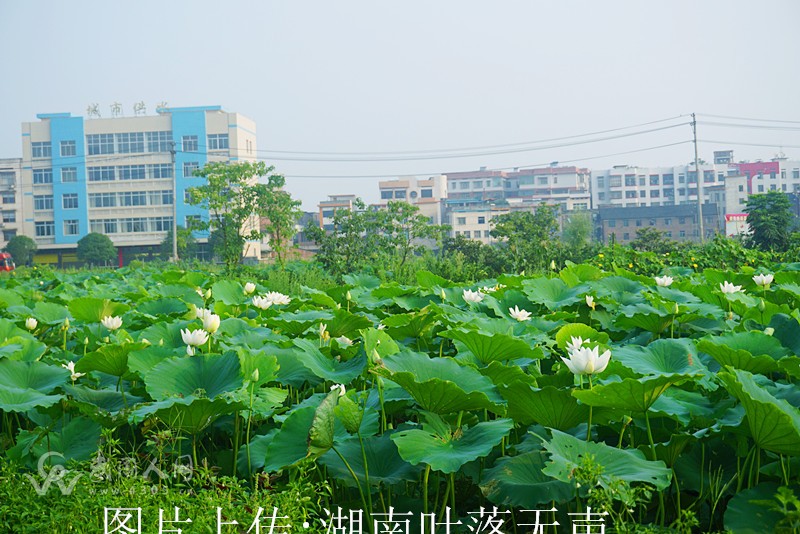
(377, 76)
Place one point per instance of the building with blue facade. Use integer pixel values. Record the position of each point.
(125, 177)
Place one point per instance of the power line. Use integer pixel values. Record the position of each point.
(463, 149)
(747, 118)
(773, 145)
(752, 126)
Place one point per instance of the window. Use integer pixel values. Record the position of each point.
(760, 188)
(102, 200)
(100, 144)
(217, 141)
(741, 188)
(642, 194)
(612, 223)
(542, 180)
(130, 143)
(795, 174)
(131, 172)
(42, 176)
(682, 233)
(41, 149)
(638, 222)
(463, 185)
(481, 220)
(616, 195)
(655, 193)
(772, 187)
(467, 234)
(43, 202)
(681, 178)
(708, 177)
(426, 193)
(45, 229)
(160, 170)
(652, 222)
(614, 181)
(630, 180)
(159, 198)
(159, 141)
(400, 193)
(189, 167)
(626, 236)
(190, 143)
(601, 196)
(160, 224)
(9, 216)
(626, 222)
(669, 179)
(642, 180)
(681, 220)
(461, 220)
(69, 201)
(104, 173)
(386, 195)
(192, 221)
(133, 198)
(669, 193)
(71, 227)
(630, 194)
(327, 214)
(8, 197)
(133, 225)
(654, 179)
(667, 221)
(68, 148)
(69, 174)
(601, 181)
(526, 180)
(477, 184)
(772, 176)
(103, 226)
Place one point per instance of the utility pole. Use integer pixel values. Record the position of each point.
(174, 204)
(700, 178)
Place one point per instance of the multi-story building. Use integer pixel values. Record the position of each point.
(328, 208)
(427, 194)
(677, 222)
(566, 186)
(10, 194)
(126, 177)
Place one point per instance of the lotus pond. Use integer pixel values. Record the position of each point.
(665, 405)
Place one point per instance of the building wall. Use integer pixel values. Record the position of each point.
(121, 183)
(11, 217)
(427, 194)
(678, 222)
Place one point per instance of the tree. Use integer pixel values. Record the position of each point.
(187, 244)
(651, 240)
(404, 230)
(528, 235)
(21, 248)
(96, 249)
(236, 201)
(770, 219)
(281, 212)
(577, 230)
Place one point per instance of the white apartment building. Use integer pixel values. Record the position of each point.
(428, 194)
(125, 177)
(10, 203)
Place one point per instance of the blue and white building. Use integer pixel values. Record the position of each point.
(122, 176)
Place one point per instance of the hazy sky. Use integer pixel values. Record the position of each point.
(413, 76)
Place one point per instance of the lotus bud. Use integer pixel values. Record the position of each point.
(730, 316)
(249, 287)
(254, 376)
(675, 309)
(761, 305)
(553, 265)
(66, 323)
(348, 296)
(161, 342)
(86, 340)
(769, 331)
(443, 295)
(31, 323)
(208, 293)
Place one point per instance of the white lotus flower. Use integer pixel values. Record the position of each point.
(485, 289)
(586, 361)
(341, 389)
(277, 298)
(202, 313)
(261, 302)
(71, 368)
(519, 315)
(729, 289)
(199, 291)
(194, 339)
(472, 296)
(31, 323)
(344, 340)
(112, 323)
(664, 281)
(590, 301)
(211, 323)
(575, 343)
(249, 287)
(381, 326)
(763, 280)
